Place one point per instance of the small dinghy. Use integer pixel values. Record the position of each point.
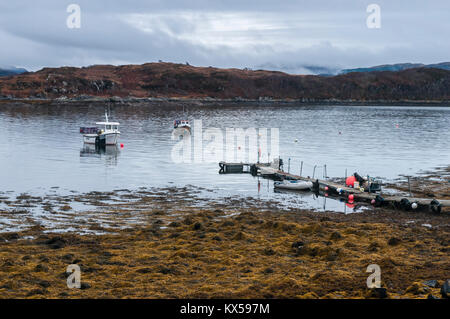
(267, 171)
(294, 185)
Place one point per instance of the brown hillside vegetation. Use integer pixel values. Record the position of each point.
(179, 80)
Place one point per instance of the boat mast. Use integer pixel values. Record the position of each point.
(107, 109)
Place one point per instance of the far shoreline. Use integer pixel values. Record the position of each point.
(206, 102)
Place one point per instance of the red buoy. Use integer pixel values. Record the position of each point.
(350, 181)
(121, 145)
(351, 197)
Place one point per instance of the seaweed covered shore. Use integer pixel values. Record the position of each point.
(220, 250)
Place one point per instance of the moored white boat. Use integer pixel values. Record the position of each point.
(181, 124)
(294, 185)
(107, 132)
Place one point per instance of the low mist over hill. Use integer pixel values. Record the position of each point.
(399, 67)
(5, 71)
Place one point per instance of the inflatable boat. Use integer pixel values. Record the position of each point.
(294, 185)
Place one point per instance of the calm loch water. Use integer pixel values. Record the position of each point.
(41, 147)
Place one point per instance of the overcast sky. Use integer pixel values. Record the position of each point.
(227, 33)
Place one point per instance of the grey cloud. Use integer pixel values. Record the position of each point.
(231, 33)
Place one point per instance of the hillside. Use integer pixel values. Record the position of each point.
(179, 80)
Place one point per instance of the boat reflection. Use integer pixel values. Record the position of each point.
(180, 133)
(299, 193)
(109, 152)
(322, 201)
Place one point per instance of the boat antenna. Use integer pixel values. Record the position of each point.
(107, 110)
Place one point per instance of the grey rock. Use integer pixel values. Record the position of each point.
(431, 283)
(445, 289)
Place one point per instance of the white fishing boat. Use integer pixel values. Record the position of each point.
(294, 185)
(181, 124)
(106, 133)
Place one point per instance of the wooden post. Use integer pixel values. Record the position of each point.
(314, 171)
(409, 186)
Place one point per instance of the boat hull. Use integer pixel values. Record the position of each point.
(294, 185)
(267, 171)
(111, 138)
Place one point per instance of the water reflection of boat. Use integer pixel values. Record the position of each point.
(180, 132)
(303, 194)
(110, 152)
(322, 201)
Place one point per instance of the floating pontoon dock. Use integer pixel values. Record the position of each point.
(334, 188)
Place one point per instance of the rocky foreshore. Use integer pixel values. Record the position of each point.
(166, 243)
(255, 254)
